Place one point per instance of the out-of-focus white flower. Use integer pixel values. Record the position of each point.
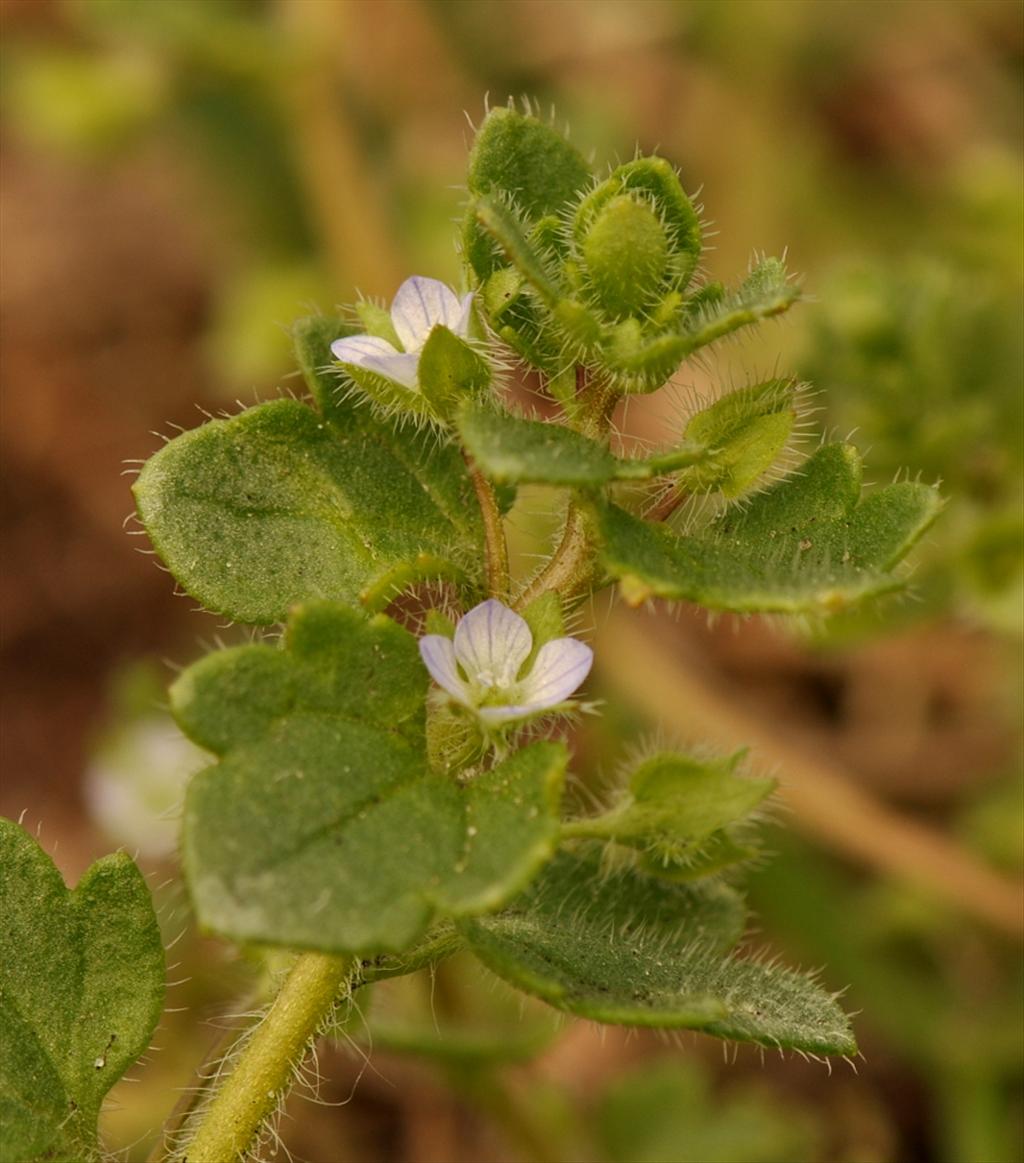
(480, 667)
(134, 786)
(418, 307)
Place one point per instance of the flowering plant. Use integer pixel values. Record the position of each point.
(371, 830)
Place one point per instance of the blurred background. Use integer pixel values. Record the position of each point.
(182, 178)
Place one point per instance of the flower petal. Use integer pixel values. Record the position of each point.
(419, 305)
(438, 656)
(492, 643)
(356, 348)
(559, 668)
(378, 356)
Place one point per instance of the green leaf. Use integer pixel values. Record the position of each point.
(322, 826)
(435, 464)
(512, 449)
(450, 370)
(275, 506)
(272, 507)
(518, 157)
(81, 991)
(629, 949)
(674, 805)
(765, 292)
(508, 231)
(809, 544)
(744, 432)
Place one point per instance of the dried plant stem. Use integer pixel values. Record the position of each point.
(264, 1070)
(495, 544)
(825, 802)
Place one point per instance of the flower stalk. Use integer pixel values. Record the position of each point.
(495, 544)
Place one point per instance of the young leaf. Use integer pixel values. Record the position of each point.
(744, 432)
(81, 990)
(674, 806)
(809, 544)
(765, 292)
(629, 949)
(518, 157)
(321, 826)
(450, 371)
(513, 449)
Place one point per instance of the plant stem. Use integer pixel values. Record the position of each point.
(572, 570)
(494, 533)
(264, 1069)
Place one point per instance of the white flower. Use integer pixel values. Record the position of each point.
(419, 306)
(480, 667)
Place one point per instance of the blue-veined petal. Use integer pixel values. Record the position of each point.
(420, 304)
(438, 656)
(492, 643)
(377, 355)
(559, 668)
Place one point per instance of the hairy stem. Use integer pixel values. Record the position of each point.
(496, 547)
(263, 1072)
(572, 569)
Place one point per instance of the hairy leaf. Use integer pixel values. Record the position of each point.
(513, 449)
(277, 506)
(321, 826)
(81, 990)
(516, 156)
(809, 544)
(744, 432)
(629, 949)
(675, 810)
(765, 292)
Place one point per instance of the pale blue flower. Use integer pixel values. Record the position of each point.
(480, 667)
(419, 305)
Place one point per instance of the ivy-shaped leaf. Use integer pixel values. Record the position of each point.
(321, 826)
(629, 949)
(81, 990)
(808, 544)
(279, 505)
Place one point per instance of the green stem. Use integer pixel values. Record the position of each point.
(496, 547)
(572, 570)
(264, 1070)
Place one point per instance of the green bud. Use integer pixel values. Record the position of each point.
(651, 185)
(625, 250)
